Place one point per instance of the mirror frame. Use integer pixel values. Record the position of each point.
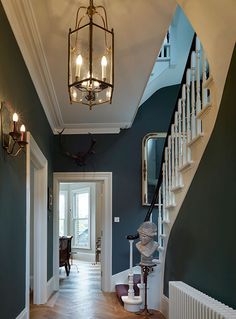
(145, 140)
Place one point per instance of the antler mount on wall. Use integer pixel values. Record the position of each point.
(81, 157)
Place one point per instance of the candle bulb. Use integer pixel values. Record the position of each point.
(15, 117)
(108, 94)
(104, 66)
(74, 94)
(79, 61)
(15, 120)
(22, 131)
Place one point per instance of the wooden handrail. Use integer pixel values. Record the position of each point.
(159, 181)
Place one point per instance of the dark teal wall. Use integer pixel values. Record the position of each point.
(201, 248)
(17, 89)
(121, 155)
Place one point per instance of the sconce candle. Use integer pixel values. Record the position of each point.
(22, 131)
(15, 120)
(14, 139)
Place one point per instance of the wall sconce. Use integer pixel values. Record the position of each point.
(12, 132)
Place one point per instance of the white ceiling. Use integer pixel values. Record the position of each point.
(41, 30)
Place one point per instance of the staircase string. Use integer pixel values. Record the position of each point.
(185, 128)
(160, 178)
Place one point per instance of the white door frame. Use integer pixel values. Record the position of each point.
(106, 244)
(35, 156)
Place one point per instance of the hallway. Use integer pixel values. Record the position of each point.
(80, 297)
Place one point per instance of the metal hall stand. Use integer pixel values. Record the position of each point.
(146, 269)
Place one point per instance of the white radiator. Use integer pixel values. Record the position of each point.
(186, 302)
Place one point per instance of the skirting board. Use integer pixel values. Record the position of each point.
(165, 306)
(23, 314)
(31, 282)
(50, 287)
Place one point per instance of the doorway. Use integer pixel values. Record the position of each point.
(102, 181)
(36, 223)
(80, 217)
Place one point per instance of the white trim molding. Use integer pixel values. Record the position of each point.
(24, 26)
(50, 287)
(106, 244)
(165, 306)
(24, 314)
(89, 128)
(35, 157)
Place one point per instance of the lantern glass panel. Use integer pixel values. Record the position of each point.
(91, 64)
(79, 55)
(102, 55)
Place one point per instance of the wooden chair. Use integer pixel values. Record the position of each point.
(65, 252)
(98, 249)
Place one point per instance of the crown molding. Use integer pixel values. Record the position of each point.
(71, 131)
(22, 20)
(93, 128)
(24, 26)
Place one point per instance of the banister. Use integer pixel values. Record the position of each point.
(159, 181)
(132, 237)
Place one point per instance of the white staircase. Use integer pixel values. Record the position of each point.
(190, 132)
(188, 136)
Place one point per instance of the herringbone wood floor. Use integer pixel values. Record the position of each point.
(80, 297)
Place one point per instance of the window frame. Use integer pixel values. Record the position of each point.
(65, 194)
(75, 193)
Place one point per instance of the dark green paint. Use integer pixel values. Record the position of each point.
(198, 253)
(121, 155)
(17, 89)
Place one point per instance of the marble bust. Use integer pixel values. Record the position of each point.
(147, 246)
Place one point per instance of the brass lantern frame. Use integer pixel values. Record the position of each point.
(91, 86)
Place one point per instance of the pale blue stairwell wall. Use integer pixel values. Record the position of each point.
(16, 88)
(121, 155)
(201, 247)
(171, 72)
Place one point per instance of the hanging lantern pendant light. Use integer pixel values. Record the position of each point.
(91, 57)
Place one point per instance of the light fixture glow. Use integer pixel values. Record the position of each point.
(104, 66)
(79, 61)
(15, 117)
(104, 61)
(13, 141)
(91, 57)
(108, 94)
(74, 94)
(22, 128)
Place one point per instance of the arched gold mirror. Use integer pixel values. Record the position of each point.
(152, 146)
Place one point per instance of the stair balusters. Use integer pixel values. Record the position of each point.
(184, 131)
(131, 302)
(131, 274)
